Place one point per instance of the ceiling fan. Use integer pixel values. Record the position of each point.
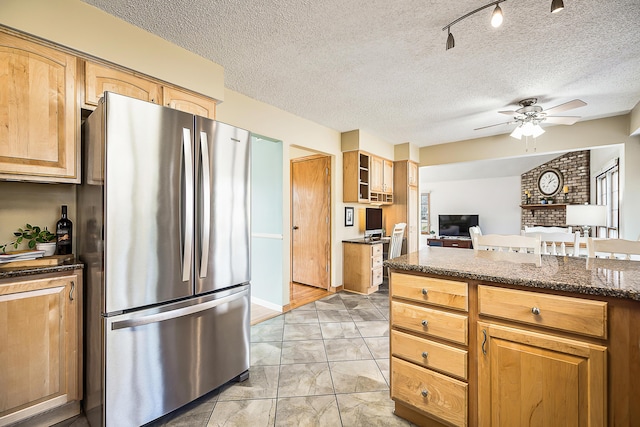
(530, 116)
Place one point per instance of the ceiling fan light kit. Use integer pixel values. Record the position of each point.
(496, 17)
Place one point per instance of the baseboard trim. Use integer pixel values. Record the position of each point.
(267, 304)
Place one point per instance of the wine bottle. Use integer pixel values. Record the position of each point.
(64, 234)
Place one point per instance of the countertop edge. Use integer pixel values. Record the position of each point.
(32, 271)
(566, 287)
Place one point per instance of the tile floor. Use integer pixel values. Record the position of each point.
(323, 364)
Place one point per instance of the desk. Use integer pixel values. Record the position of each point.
(362, 265)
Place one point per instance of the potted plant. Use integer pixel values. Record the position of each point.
(36, 236)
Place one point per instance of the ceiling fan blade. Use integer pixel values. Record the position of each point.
(561, 120)
(509, 113)
(490, 126)
(576, 103)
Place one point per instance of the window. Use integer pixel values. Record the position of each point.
(425, 224)
(607, 184)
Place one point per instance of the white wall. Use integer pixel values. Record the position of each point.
(495, 200)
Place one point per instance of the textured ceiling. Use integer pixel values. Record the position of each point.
(381, 65)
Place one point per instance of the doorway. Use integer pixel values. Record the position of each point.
(311, 222)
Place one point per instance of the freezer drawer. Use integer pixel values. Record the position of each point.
(160, 359)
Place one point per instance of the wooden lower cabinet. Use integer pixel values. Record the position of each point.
(362, 267)
(531, 379)
(486, 354)
(41, 351)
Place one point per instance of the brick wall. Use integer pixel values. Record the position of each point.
(576, 175)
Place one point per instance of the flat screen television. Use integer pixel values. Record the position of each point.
(456, 225)
(373, 222)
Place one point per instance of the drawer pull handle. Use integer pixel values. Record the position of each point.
(424, 393)
(484, 341)
(425, 323)
(535, 310)
(424, 291)
(425, 354)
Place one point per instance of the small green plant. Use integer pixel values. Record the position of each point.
(33, 234)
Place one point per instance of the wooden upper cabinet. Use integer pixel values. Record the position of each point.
(188, 102)
(412, 174)
(99, 79)
(381, 175)
(38, 114)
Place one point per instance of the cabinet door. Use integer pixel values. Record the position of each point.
(39, 353)
(412, 178)
(533, 379)
(98, 79)
(188, 102)
(387, 176)
(37, 112)
(376, 179)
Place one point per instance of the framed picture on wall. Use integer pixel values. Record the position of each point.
(348, 217)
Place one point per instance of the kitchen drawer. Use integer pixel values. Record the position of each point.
(433, 393)
(376, 261)
(456, 243)
(446, 359)
(446, 293)
(430, 322)
(580, 316)
(376, 250)
(376, 276)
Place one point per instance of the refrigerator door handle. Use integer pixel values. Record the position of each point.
(173, 314)
(189, 207)
(206, 204)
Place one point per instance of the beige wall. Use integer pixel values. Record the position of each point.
(557, 139)
(634, 122)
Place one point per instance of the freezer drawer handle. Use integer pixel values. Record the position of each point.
(174, 314)
(206, 204)
(188, 221)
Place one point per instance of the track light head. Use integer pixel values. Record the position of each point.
(496, 17)
(450, 41)
(556, 6)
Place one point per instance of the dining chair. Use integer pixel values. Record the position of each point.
(474, 232)
(508, 243)
(395, 246)
(556, 243)
(613, 248)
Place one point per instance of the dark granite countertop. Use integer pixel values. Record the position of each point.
(364, 241)
(30, 271)
(591, 276)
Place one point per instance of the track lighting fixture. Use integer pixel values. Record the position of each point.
(496, 17)
(556, 6)
(450, 41)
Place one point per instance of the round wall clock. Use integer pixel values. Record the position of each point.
(549, 182)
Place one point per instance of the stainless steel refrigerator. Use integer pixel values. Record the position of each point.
(164, 218)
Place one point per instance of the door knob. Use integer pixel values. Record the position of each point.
(295, 227)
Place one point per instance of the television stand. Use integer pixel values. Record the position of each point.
(450, 242)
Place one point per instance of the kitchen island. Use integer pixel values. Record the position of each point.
(502, 339)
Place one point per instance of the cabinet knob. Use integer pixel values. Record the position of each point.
(425, 323)
(535, 310)
(424, 291)
(425, 354)
(424, 393)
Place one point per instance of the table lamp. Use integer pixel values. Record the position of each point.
(586, 216)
